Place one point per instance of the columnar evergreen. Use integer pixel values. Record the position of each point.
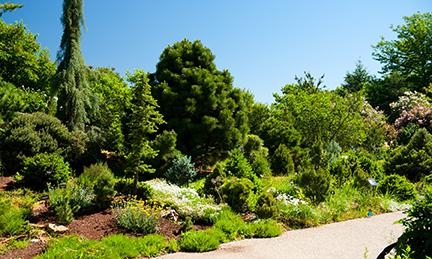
(70, 81)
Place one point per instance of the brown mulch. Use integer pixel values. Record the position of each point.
(32, 250)
(94, 226)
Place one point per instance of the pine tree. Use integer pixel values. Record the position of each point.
(74, 96)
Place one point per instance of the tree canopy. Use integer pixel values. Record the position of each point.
(199, 102)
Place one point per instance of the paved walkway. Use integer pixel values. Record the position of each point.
(358, 238)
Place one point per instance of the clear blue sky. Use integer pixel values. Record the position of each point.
(264, 44)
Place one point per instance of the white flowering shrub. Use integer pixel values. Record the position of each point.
(186, 201)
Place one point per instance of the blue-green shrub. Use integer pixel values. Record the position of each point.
(181, 171)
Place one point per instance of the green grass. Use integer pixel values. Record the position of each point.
(114, 246)
(201, 241)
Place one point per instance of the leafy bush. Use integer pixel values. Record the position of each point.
(60, 201)
(133, 216)
(200, 241)
(12, 219)
(43, 169)
(266, 228)
(266, 206)
(315, 183)
(30, 134)
(418, 228)
(124, 186)
(397, 186)
(237, 192)
(100, 179)
(81, 198)
(182, 171)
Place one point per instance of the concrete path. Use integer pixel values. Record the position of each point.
(358, 238)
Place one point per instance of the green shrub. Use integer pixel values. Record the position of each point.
(12, 218)
(418, 228)
(266, 206)
(100, 179)
(181, 171)
(133, 216)
(237, 165)
(59, 200)
(266, 228)
(43, 169)
(281, 161)
(299, 216)
(232, 225)
(81, 198)
(397, 186)
(237, 192)
(124, 186)
(315, 183)
(200, 241)
(153, 245)
(30, 134)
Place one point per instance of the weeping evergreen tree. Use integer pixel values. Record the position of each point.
(74, 97)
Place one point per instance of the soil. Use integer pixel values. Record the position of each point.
(92, 226)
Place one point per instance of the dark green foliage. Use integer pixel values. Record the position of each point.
(398, 187)
(23, 62)
(31, 134)
(144, 121)
(237, 192)
(281, 161)
(413, 160)
(182, 171)
(266, 206)
(100, 179)
(357, 80)
(45, 169)
(125, 186)
(315, 183)
(418, 228)
(200, 241)
(74, 96)
(406, 133)
(12, 219)
(199, 102)
(165, 143)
